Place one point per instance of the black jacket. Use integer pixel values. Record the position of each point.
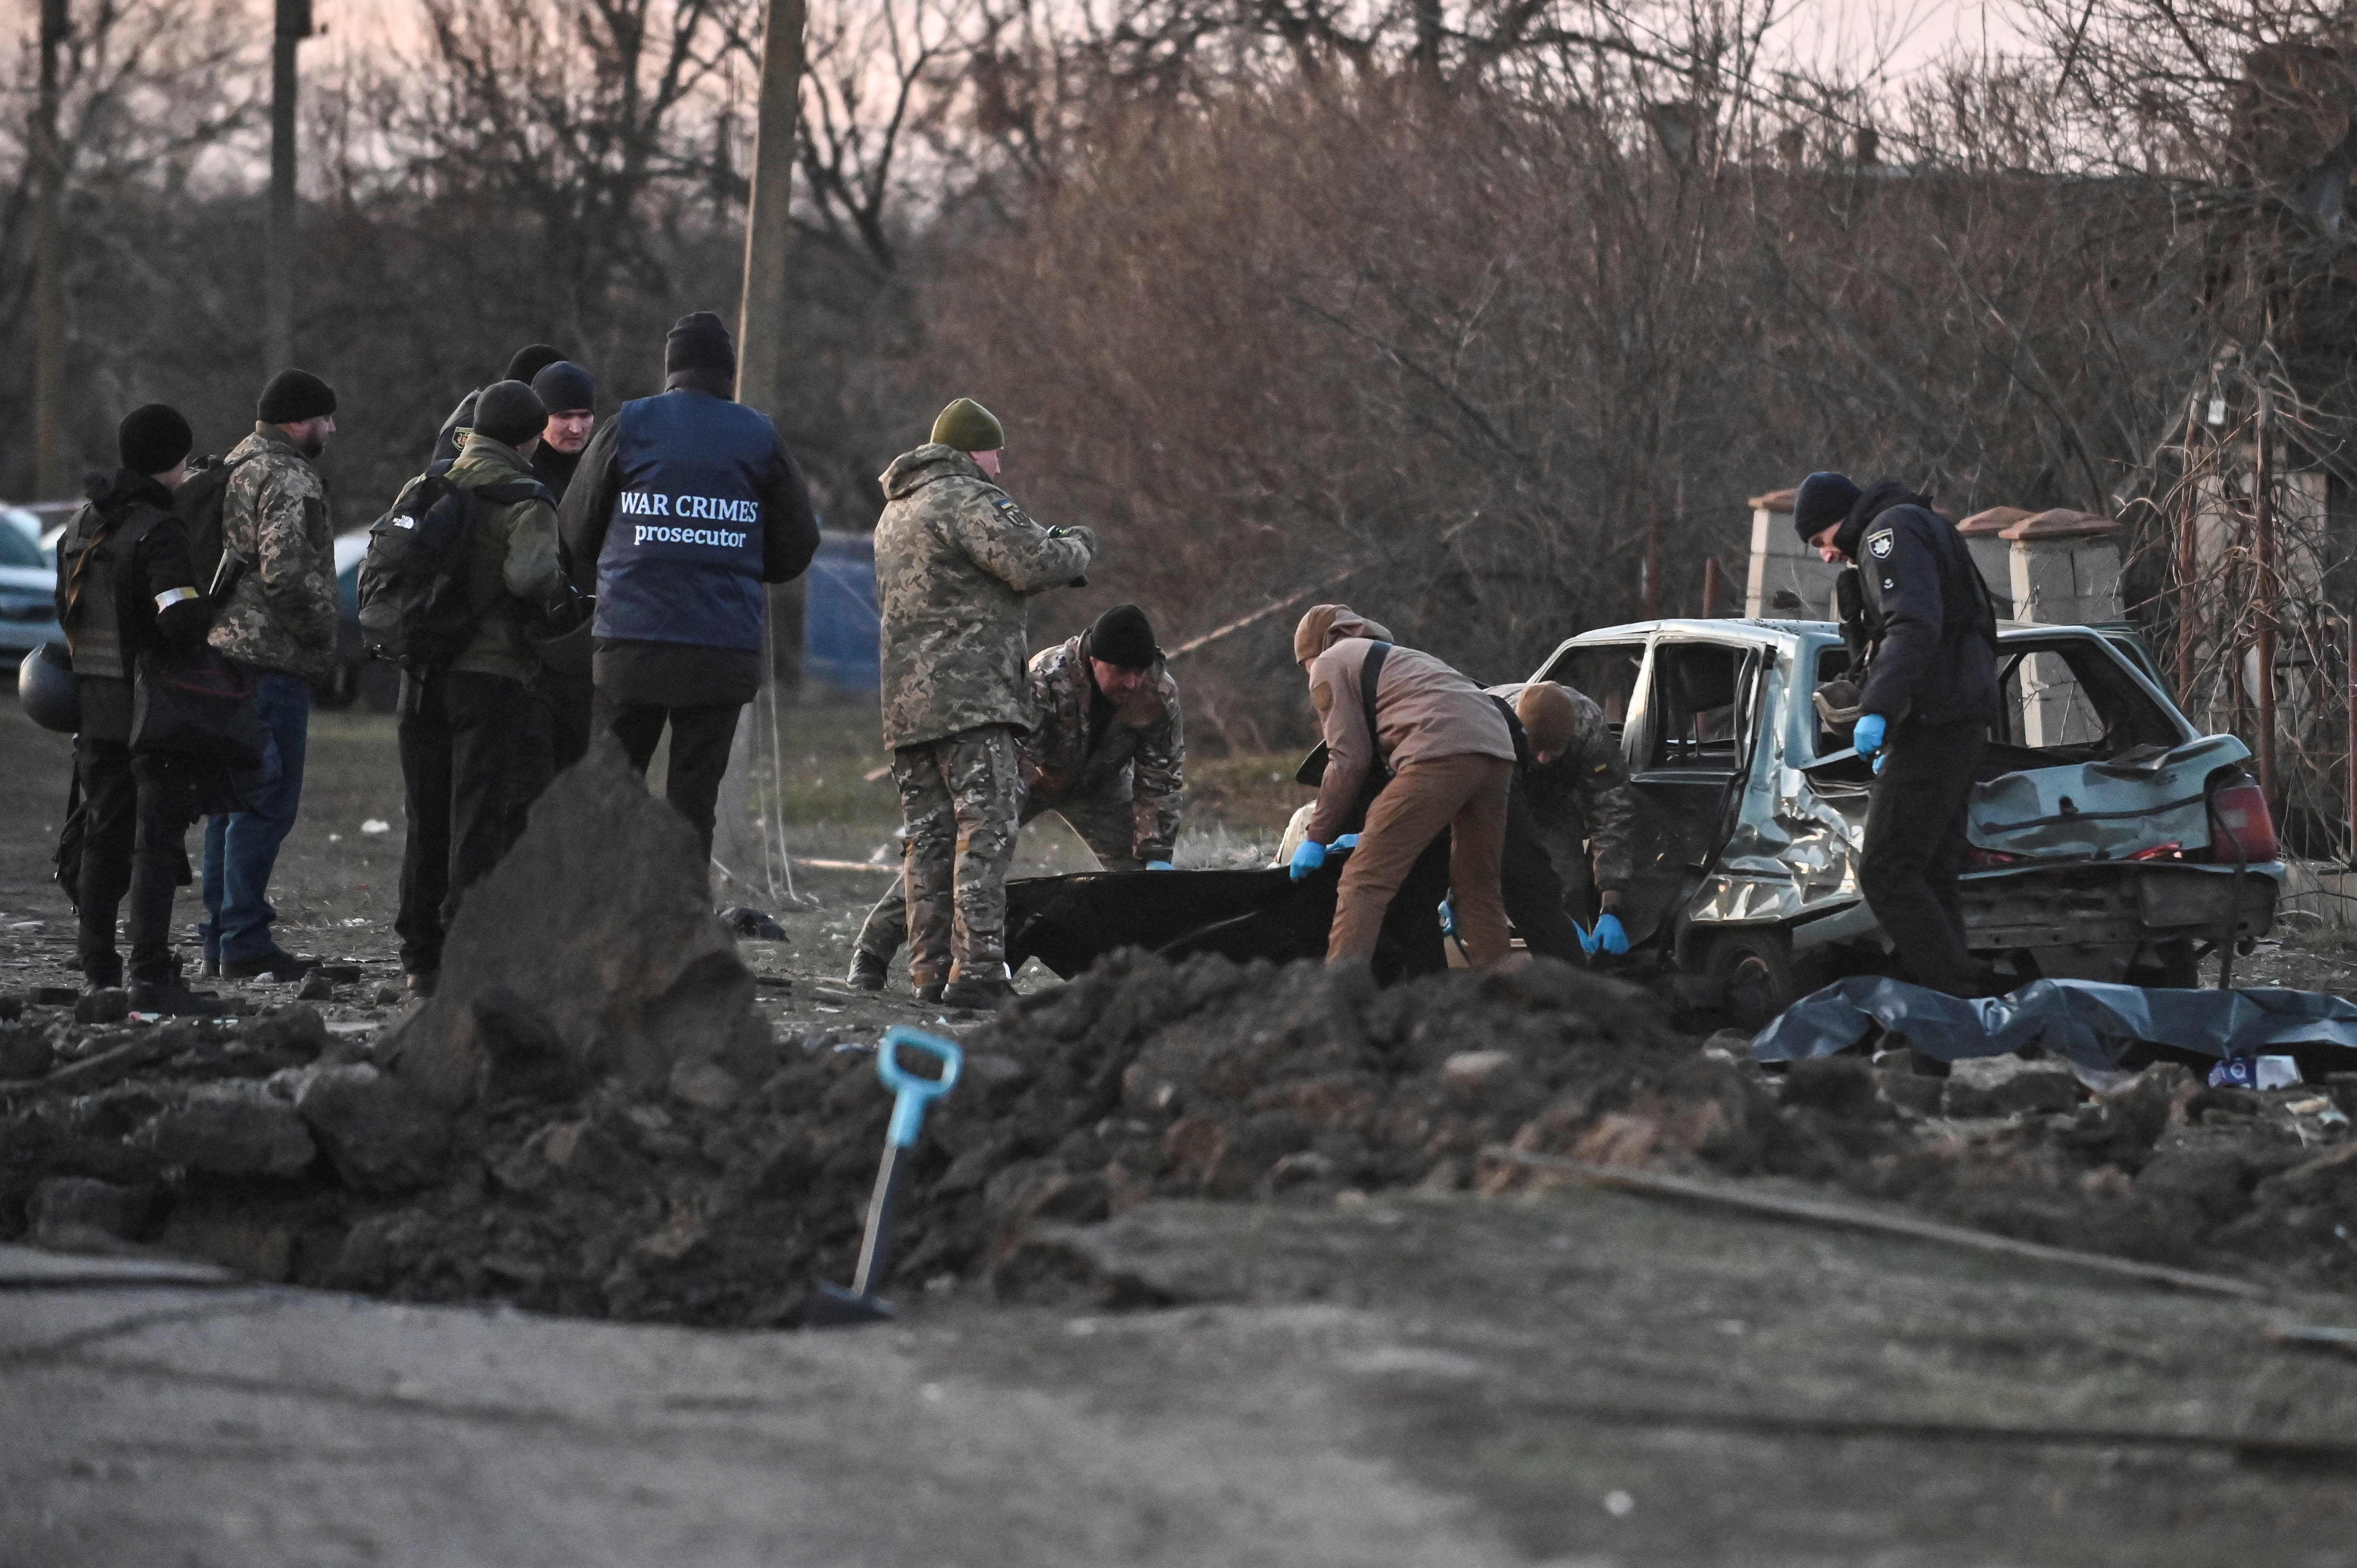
(1927, 613)
(679, 674)
(123, 553)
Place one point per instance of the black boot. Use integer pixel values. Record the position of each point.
(867, 972)
(171, 998)
(978, 995)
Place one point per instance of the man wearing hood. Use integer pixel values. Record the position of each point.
(524, 365)
(1442, 743)
(460, 723)
(1106, 752)
(1930, 693)
(126, 588)
(684, 505)
(561, 715)
(956, 562)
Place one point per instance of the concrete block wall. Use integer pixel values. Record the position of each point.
(1781, 564)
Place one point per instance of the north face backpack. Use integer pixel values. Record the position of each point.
(415, 608)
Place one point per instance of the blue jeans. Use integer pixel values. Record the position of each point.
(241, 847)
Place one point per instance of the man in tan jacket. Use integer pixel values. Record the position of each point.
(1393, 714)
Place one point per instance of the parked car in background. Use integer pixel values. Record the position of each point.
(2111, 839)
(356, 676)
(29, 586)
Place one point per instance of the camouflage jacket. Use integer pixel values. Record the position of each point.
(281, 613)
(1585, 795)
(955, 561)
(1141, 757)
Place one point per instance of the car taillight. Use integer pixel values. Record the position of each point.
(2240, 827)
(2173, 850)
(1978, 857)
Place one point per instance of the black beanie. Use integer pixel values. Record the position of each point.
(1123, 636)
(1823, 499)
(153, 440)
(509, 412)
(293, 396)
(699, 342)
(530, 360)
(564, 386)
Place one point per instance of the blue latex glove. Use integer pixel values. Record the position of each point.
(1308, 858)
(1609, 934)
(1160, 865)
(1347, 841)
(1448, 918)
(1869, 735)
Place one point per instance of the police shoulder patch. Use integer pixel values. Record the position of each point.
(1879, 545)
(1321, 696)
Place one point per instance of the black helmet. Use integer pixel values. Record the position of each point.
(45, 685)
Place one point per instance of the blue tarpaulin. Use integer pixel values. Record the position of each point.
(839, 638)
(2091, 1023)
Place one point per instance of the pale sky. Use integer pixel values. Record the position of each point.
(1911, 34)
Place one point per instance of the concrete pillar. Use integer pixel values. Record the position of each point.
(1781, 564)
(2066, 572)
(1983, 534)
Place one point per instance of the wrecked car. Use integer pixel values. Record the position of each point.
(2111, 839)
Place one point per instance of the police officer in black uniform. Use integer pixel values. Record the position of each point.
(126, 588)
(1929, 696)
(684, 505)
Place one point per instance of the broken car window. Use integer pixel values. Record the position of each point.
(2068, 700)
(1696, 688)
(1605, 672)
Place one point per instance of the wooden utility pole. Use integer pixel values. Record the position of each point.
(1714, 587)
(294, 24)
(762, 321)
(760, 354)
(2264, 555)
(48, 266)
(2189, 564)
(1653, 560)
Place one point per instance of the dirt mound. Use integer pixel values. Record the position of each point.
(1141, 1079)
(271, 1146)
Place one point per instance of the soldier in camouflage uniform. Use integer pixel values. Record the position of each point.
(957, 561)
(1107, 753)
(279, 622)
(1581, 809)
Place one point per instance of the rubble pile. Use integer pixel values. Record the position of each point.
(590, 1116)
(721, 1193)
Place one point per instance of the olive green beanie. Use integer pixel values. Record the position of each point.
(970, 427)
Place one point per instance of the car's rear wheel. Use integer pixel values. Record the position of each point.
(1753, 967)
(2173, 967)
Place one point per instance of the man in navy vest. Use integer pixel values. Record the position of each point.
(683, 507)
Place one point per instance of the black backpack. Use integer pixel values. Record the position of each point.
(199, 502)
(414, 608)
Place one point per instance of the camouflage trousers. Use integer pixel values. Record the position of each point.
(960, 801)
(1107, 826)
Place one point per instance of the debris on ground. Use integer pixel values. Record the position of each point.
(562, 1178)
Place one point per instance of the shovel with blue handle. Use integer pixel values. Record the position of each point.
(833, 1306)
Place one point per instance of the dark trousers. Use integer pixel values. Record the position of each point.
(1915, 846)
(555, 737)
(135, 826)
(241, 847)
(700, 738)
(1533, 892)
(458, 734)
